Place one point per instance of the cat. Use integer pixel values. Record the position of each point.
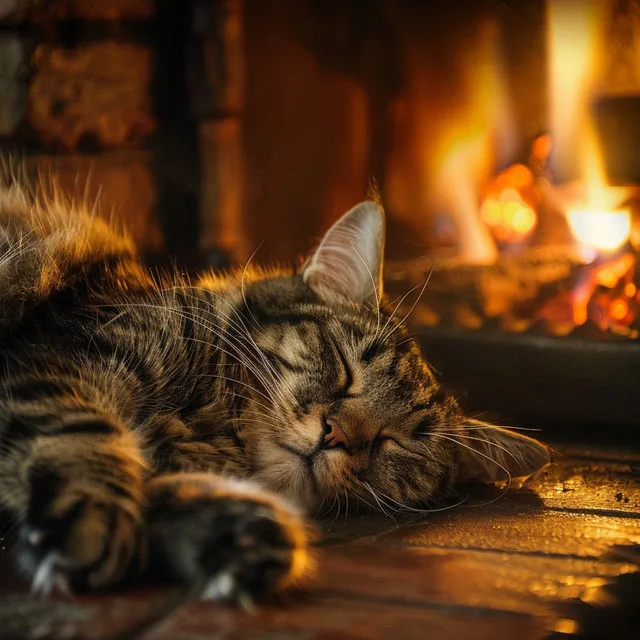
(188, 426)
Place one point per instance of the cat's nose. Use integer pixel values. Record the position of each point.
(334, 436)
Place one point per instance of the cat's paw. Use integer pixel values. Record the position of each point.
(239, 542)
(77, 536)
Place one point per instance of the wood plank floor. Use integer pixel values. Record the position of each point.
(557, 558)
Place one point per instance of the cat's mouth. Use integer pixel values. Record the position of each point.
(308, 459)
(313, 470)
(305, 475)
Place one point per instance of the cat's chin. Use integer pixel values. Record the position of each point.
(286, 473)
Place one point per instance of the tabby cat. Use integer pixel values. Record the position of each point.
(186, 425)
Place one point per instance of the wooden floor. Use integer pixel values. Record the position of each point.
(558, 558)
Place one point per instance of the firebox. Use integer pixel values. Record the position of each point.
(502, 137)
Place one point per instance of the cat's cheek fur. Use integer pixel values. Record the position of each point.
(285, 473)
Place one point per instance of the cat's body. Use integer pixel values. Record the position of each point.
(148, 420)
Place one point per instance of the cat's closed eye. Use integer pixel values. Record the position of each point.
(383, 439)
(346, 373)
(422, 431)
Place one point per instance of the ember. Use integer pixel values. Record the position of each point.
(509, 208)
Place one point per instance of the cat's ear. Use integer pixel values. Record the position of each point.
(348, 262)
(488, 454)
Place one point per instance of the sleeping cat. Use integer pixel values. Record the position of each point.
(183, 425)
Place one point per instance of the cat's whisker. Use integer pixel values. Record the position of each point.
(244, 337)
(336, 500)
(406, 507)
(240, 355)
(413, 306)
(487, 425)
(242, 290)
(477, 453)
(373, 285)
(235, 381)
(400, 506)
(395, 310)
(219, 332)
(359, 497)
(488, 442)
(465, 427)
(239, 325)
(376, 498)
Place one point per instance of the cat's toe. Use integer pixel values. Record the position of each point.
(239, 543)
(77, 540)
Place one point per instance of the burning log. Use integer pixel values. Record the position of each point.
(543, 291)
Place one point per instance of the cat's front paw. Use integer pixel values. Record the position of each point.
(239, 542)
(78, 537)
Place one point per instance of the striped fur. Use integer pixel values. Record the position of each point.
(140, 414)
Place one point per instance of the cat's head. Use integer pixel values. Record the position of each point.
(347, 406)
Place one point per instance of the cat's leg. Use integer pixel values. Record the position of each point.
(73, 476)
(234, 540)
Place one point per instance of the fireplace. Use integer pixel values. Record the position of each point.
(503, 139)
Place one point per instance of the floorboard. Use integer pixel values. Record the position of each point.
(556, 558)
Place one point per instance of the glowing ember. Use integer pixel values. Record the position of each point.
(619, 310)
(509, 218)
(508, 209)
(602, 230)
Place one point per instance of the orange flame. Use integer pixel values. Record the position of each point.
(472, 142)
(576, 44)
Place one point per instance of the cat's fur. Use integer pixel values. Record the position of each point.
(156, 421)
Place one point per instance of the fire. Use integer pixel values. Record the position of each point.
(557, 234)
(476, 136)
(597, 219)
(576, 54)
(593, 207)
(575, 42)
(508, 208)
(603, 230)
(619, 310)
